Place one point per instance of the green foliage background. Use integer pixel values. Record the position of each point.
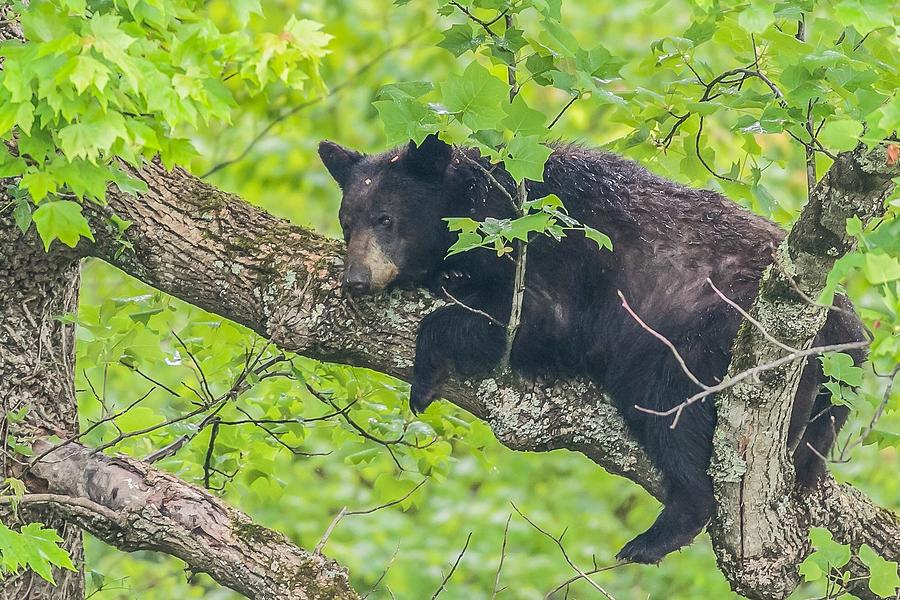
(472, 479)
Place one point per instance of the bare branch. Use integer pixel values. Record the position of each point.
(135, 507)
(730, 382)
(750, 318)
(347, 513)
(558, 541)
(452, 568)
(668, 343)
(497, 588)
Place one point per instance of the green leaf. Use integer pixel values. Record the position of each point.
(520, 228)
(12, 114)
(758, 16)
(38, 184)
(466, 241)
(140, 417)
(883, 578)
(881, 268)
(476, 96)
(22, 214)
(62, 220)
(603, 240)
(33, 547)
(88, 71)
(834, 554)
(839, 366)
(404, 90)
(405, 119)
(841, 134)
(95, 133)
(460, 38)
(866, 15)
(521, 119)
(244, 8)
(82, 177)
(463, 224)
(810, 569)
(557, 38)
(526, 157)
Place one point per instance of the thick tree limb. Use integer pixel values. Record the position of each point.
(760, 532)
(133, 506)
(218, 252)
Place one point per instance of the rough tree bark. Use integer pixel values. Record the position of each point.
(37, 356)
(760, 532)
(36, 362)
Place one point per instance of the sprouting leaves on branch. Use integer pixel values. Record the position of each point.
(96, 86)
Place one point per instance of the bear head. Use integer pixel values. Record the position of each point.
(392, 211)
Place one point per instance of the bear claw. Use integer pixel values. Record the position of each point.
(420, 399)
(642, 550)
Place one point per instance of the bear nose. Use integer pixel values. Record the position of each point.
(357, 280)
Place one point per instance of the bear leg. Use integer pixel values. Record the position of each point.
(453, 338)
(682, 456)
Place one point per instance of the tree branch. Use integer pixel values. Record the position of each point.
(283, 282)
(133, 506)
(760, 531)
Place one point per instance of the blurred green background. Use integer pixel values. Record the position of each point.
(473, 479)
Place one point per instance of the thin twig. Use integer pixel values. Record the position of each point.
(563, 110)
(703, 160)
(210, 451)
(486, 25)
(493, 180)
(575, 578)
(347, 513)
(662, 339)
(747, 316)
(518, 297)
(471, 309)
(453, 568)
(732, 381)
(879, 411)
(558, 541)
(383, 573)
(497, 588)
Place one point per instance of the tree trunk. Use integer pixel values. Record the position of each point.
(37, 356)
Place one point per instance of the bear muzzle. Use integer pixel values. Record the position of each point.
(368, 269)
(357, 280)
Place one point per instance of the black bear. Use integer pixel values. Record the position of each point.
(667, 240)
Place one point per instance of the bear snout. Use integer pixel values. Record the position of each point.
(357, 280)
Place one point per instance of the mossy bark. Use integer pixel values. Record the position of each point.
(760, 530)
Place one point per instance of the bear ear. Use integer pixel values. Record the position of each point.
(338, 160)
(431, 157)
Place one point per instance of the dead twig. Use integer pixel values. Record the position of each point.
(347, 513)
(453, 568)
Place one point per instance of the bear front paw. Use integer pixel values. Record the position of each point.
(452, 280)
(421, 397)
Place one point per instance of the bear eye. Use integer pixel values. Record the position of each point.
(385, 221)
